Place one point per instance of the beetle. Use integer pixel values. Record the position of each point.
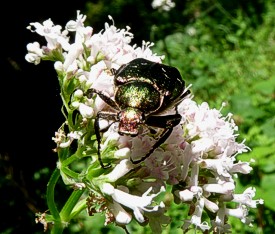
(144, 91)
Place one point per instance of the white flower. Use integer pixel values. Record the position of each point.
(241, 212)
(246, 198)
(120, 170)
(165, 5)
(58, 66)
(70, 137)
(35, 53)
(78, 93)
(202, 145)
(241, 167)
(220, 223)
(82, 33)
(145, 52)
(52, 34)
(196, 217)
(111, 138)
(75, 135)
(136, 203)
(95, 73)
(123, 153)
(187, 158)
(65, 144)
(186, 195)
(78, 23)
(213, 207)
(215, 133)
(86, 111)
(122, 217)
(73, 53)
(225, 188)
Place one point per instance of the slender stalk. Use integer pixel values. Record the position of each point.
(50, 194)
(65, 213)
(57, 227)
(68, 211)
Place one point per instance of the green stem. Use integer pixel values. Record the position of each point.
(57, 227)
(70, 173)
(81, 205)
(66, 169)
(70, 159)
(65, 213)
(50, 194)
(68, 211)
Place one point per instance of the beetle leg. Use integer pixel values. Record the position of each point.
(167, 122)
(105, 98)
(102, 115)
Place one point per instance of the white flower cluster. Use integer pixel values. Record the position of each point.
(212, 147)
(108, 49)
(201, 151)
(165, 5)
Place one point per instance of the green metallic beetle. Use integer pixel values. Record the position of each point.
(144, 90)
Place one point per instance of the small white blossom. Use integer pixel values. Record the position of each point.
(86, 111)
(122, 217)
(52, 33)
(212, 206)
(78, 93)
(224, 188)
(75, 135)
(246, 198)
(65, 144)
(73, 53)
(79, 186)
(196, 218)
(123, 153)
(241, 212)
(120, 170)
(136, 203)
(82, 33)
(186, 195)
(111, 138)
(241, 167)
(58, 66)
(35, 53)
(165, 5)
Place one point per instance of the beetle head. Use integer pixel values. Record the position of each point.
(129, 121)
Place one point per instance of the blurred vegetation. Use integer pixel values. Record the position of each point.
(226, 50)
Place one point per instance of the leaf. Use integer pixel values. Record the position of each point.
(266, 87)
(269, 127)
(267, 190)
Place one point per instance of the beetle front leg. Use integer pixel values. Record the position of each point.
(104, 97)
(102, 115)
(167, 122)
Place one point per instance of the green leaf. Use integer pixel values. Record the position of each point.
(267, 190)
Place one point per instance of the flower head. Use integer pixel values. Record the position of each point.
(198, 159)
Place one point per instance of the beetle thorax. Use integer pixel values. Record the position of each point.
(129, 121)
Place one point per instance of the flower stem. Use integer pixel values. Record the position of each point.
(57, 227)
(65, 213)
(50, 194)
